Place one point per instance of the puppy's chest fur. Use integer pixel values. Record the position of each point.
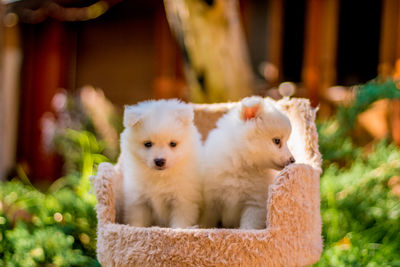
(236, 189)
(160, 197)
(161, 206)
(240, 185)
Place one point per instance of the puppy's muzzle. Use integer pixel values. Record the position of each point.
(159, 162)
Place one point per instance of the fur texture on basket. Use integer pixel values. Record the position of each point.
(293, 228)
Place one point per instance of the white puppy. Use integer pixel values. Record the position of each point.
(241, 157)
(160, 148)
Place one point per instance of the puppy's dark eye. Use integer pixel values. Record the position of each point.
(173, 144)
(276, 141)
(148, 144)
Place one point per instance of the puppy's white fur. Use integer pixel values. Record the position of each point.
(169, 195)
(240, 162)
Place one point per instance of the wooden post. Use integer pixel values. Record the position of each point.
(329, 43)
(275, 32)
(44, 73)
(169, 82)
(311, 73)
(11, 61)
(389, 56)
(2, 113)
(319, 63)
(214, 49)
(387, 51)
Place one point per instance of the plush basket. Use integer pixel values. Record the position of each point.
(293, 228)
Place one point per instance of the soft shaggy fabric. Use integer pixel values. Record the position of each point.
(293, 229)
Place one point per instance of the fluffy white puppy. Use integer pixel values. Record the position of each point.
(241, 157)
(160, 146)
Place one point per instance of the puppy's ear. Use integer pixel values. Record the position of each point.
(251, 108)
(185, 114)
(132, 116)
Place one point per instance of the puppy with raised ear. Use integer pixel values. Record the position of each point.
(241, 157)
(160, 147)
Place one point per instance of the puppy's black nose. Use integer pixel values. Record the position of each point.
(159, 162)
(292, 160)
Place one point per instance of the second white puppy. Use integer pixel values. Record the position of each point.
(240, 159)
(159, 148)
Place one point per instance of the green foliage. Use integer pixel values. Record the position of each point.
(365, 96)
(334, 146)
(360, 196)
(337, 141)
(361, 211)
(360, 189)
(42, 228)
(82, 153)
(57, 227)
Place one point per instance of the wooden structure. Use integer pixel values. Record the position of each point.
(389, 56)
(10, 58)
(319, 64)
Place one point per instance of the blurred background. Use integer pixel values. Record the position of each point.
(69, 66)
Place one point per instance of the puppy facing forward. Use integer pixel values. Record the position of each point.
(241, 157)
(160, 148)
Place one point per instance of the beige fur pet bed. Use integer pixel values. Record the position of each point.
(293, 228)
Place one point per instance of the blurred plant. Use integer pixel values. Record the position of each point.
(360, 188)
(334, 146)
(57, 227)
(365, 96)
(337, 139)
(89, 111)
(360, 210)
(106, 121)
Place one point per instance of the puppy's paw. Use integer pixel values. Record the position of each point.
(184, 217)
(180, 225)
